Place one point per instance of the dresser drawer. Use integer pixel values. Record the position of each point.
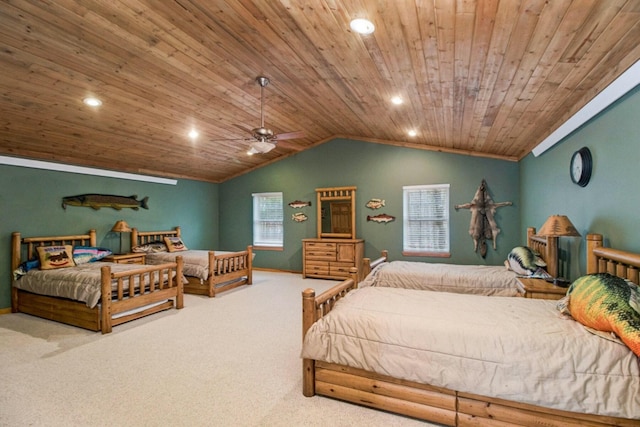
(324, 246)
(320, 255)
(340, 268)
(314, 267)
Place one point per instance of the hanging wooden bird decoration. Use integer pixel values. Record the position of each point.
(483, 225)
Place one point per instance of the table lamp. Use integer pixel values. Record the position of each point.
(121, 227)
(558, 226)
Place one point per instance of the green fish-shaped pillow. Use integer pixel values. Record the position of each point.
(524, 261)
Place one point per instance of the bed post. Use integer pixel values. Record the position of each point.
(134, 237)
(93, 241)
(250, 264)
(15, 262)
(177, 227)
(105, 300)
(308, 318)
(179, 284)
(593, 241)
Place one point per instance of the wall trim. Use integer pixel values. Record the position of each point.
(37, 164)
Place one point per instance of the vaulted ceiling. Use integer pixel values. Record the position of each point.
(481, 77)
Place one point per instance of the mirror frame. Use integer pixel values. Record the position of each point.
(336, 194)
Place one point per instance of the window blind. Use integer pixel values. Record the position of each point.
(268, 219)
(426, 218)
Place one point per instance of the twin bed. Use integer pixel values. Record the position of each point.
(96, 295)
(468, 360)
(467, 279)
(207, 272)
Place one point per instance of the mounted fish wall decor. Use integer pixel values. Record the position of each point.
(299, 204)
(299, 217)
(375, 204)
(483, 225)
(97, 201)
(381, 218)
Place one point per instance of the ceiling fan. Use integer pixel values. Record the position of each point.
(263, 139)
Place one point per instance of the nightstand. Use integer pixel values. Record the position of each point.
(138, 258)
(540, 289)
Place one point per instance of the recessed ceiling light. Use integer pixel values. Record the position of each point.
(397, 100)
(193, 134)
(362, 26)
(92, 102)
(412, 133)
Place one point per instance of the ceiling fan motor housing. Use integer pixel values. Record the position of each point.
(262, 132)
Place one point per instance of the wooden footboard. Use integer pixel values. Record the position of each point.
(162, 289)
(421, 401)
(225, 270)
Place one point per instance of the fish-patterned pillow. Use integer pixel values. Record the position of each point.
(52, 257)
(149, 248)
(525, 261)
(84, 254)
(609, 304)
(175, 244)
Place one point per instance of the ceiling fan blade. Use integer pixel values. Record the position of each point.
(289, 135)
(231, 139)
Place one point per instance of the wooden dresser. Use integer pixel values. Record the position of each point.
(331, 258)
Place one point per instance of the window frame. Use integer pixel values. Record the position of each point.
(444, 249)
(260, 241)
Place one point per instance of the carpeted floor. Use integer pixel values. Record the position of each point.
(232, 360)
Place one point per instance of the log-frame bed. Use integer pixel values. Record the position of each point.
(441, 405)
(226, 270)
(117, 305)
(547, 247)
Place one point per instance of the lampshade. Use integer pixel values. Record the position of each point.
(556, 226)
(121, 227)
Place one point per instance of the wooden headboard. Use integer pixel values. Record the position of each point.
(613, 261)
(143, 237)
(25, 248)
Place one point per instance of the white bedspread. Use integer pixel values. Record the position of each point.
(80, 283)
(466, 279)
(513, 348)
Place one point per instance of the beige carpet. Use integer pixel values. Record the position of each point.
(232, 360)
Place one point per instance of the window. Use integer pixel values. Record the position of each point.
(267, 220)
(426, 220)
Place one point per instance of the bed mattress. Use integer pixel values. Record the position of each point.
(466, 279)
(80, 283)
(517, 349)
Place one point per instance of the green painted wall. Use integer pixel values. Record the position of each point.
(609, 204)
(30, 201)
(378, 171)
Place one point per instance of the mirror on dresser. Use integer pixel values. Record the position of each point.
(336, 250)
(336, 212)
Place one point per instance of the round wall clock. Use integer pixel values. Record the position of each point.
(580, 168)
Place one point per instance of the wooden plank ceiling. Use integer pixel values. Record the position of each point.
(480, 77)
